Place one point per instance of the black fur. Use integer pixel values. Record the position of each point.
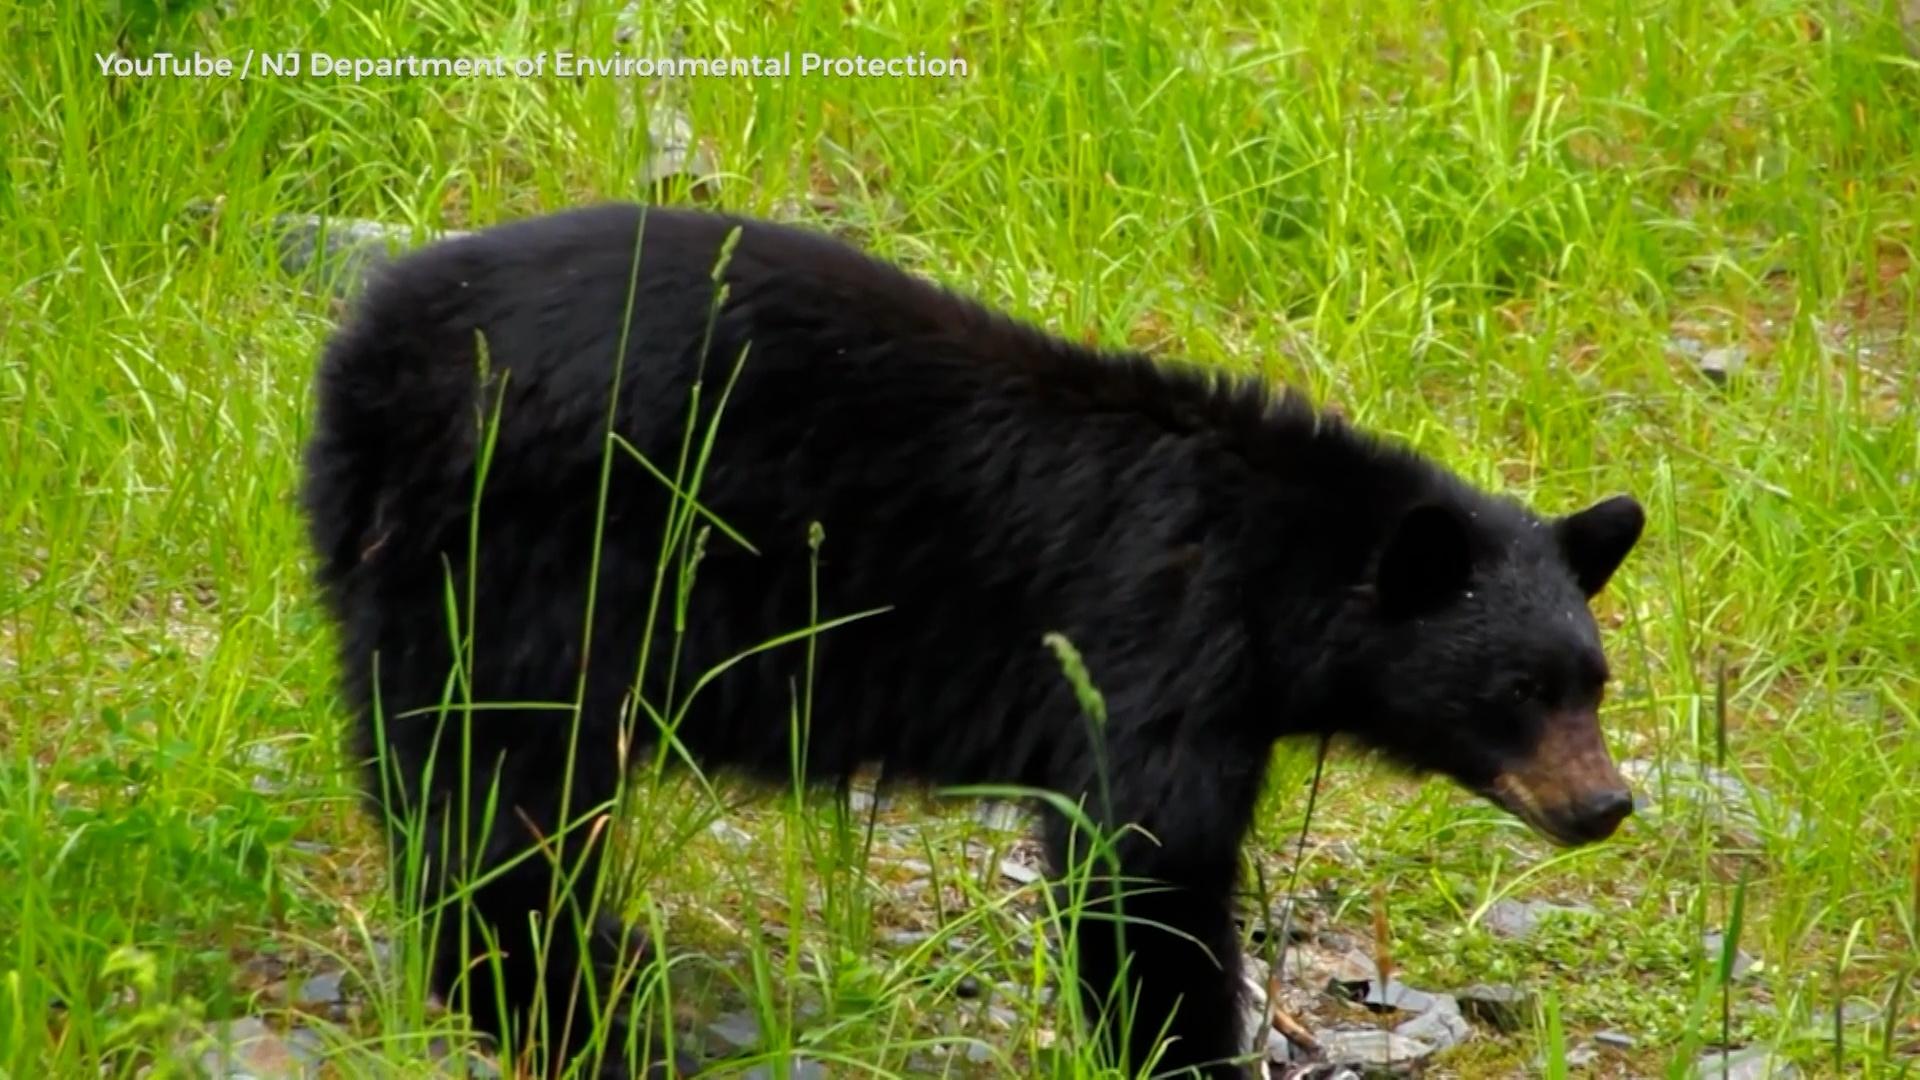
(1234, 566)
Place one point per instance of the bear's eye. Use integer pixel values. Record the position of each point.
(1524, 689)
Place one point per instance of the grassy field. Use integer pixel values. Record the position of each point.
(1570, 249)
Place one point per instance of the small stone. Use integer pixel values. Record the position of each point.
(307, 1046)
(1715, 944)
(1001, 816)
(1376, 1053)
(1253, 1014)
(675, 150)
(1686, 346)
(979, 1053)
(247, 1047)
(467, 1065)
(863, 801)
(263, 968)
(1352, 974)
(905, 939)
(1851, 1013)
(343, 251)
(1499, 1006)
(1336, 941)
(310, 847)
(967, 988)
(1582, 1056)
(1286, 921)
(1254, 972)
(1743, 811)
(1756, 1062)
(1281, 1051)
(1517, 919)
(1018, 872)
(737, 1029)
(1441, 1027)
(1618, 1040)
(1396, 996)
(322, 989)
(1723, 363)
(730, 834)
(1390, 996)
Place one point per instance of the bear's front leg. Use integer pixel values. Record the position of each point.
(1158, 958)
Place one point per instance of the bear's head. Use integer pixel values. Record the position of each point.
(1472, 652)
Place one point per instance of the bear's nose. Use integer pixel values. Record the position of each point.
(1598, 813)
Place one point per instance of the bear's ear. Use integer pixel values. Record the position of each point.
(1425, 562)
(1595, 541)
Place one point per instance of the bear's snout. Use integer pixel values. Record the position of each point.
(1597, 814)
(1568, 790)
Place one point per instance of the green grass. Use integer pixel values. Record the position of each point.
(1494, 228)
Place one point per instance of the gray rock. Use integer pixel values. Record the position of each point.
(1018, 872)
(1002, 816)
(1316, 1072)
(1851, 1013)
(865, 801)
(264, 968)
(1724, 362)
(905, 939)
(248, 1048)
(1618, 1040)
(322, 989)
(1715, 943)
(1441, 1027)
(1396, 996)
(1287, 921)
(729, 834)
(456, 1055)
(1374, 1053)
(979, 1053)
(1281, 1051)
(674, 151)
(736, 1029)
(271, 762)
(1686, 346)
(1352, 974)
(1741, 810)
(1255, 1023)
(1756, 1062)
(466, 1065)
(1517, 919)
(1500, 1006)
(307, 1045)
(1391, 995)
(1582, 1055)
(342, 251)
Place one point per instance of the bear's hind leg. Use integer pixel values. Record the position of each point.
(522, 939)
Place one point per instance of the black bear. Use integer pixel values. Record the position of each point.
(510, 430)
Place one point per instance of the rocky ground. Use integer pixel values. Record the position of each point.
(1317, 995)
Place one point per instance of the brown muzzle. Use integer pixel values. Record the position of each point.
(1569, 790)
